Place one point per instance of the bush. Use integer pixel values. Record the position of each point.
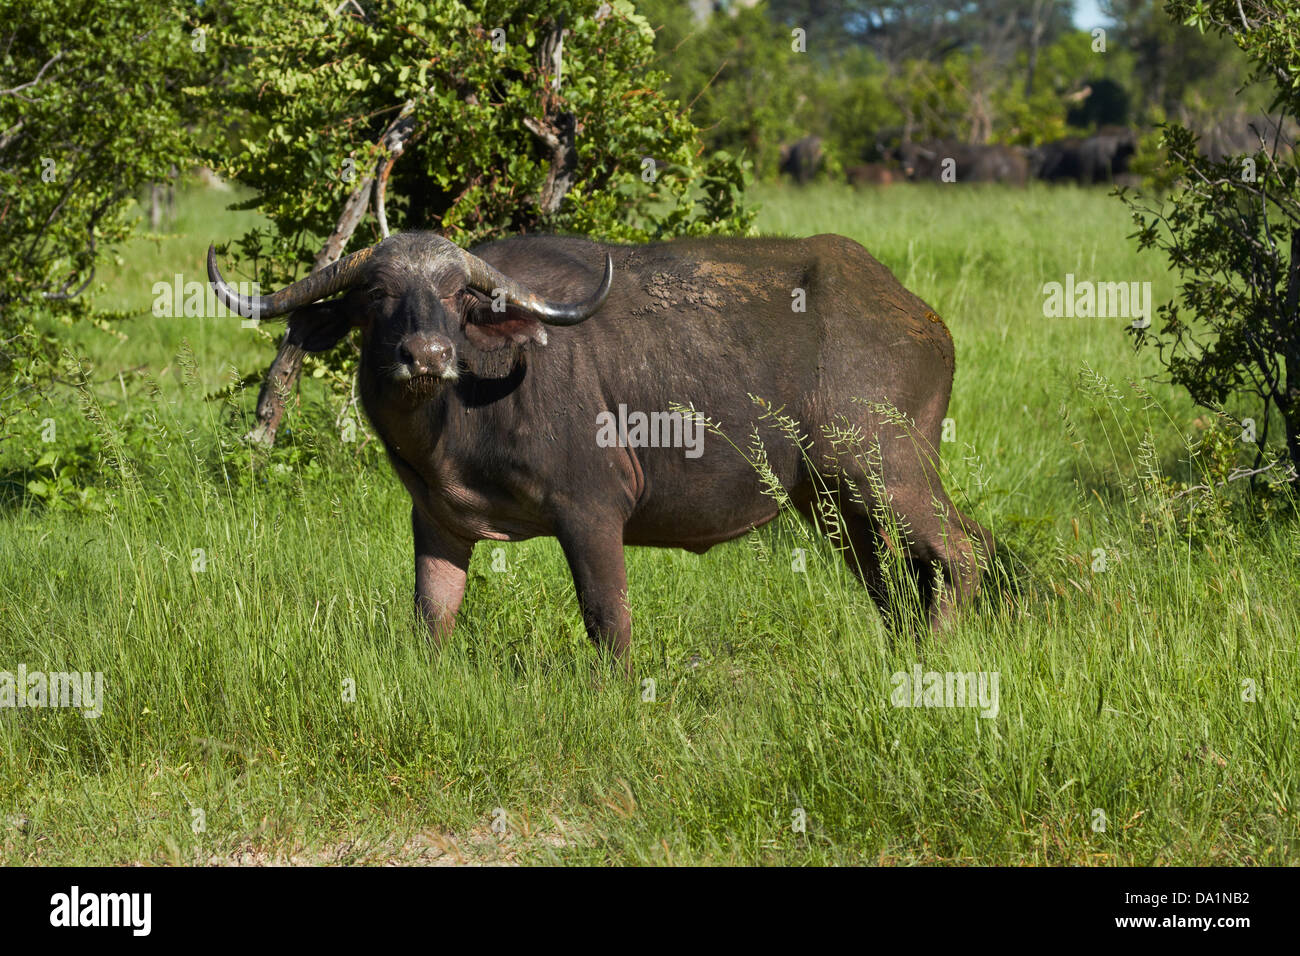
(1229, 228)
(91, 110)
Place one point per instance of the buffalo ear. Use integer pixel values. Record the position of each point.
(487, 329)
(322, 325)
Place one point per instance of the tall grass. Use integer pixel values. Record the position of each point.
(269, 696)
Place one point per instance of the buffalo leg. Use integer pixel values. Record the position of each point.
(938, 537)
(901, 504)
(441, 567)
(858, 539)
(600, 577)
(862, 555)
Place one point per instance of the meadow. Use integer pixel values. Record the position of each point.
(268, 697)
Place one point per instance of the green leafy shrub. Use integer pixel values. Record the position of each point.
(91, 110)
(1230, 230)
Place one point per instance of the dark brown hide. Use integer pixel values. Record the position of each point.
(508, 449)
(968, 163)
(871, 174)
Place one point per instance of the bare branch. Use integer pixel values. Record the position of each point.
(1237, 474)
(10, 135)
(394, 143)
(30, 83)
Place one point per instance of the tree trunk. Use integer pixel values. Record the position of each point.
(557, 129)
(155, 206)
(282, 376)
(1289, 405)
(1039, 16)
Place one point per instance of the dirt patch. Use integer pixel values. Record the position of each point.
(427, 848)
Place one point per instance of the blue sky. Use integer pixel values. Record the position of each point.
(1087, 14)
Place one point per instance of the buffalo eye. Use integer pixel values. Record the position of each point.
(459, 302)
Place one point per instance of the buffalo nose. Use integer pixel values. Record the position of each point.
(425, 354)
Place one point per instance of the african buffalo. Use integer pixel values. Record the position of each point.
(1099, 158)
(802, 159)
(494, 378)
(944, 161)
(871, 174)
(1246, 134)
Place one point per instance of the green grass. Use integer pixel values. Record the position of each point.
(1121, 686)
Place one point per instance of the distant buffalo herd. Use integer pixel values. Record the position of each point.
(1103, 157)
